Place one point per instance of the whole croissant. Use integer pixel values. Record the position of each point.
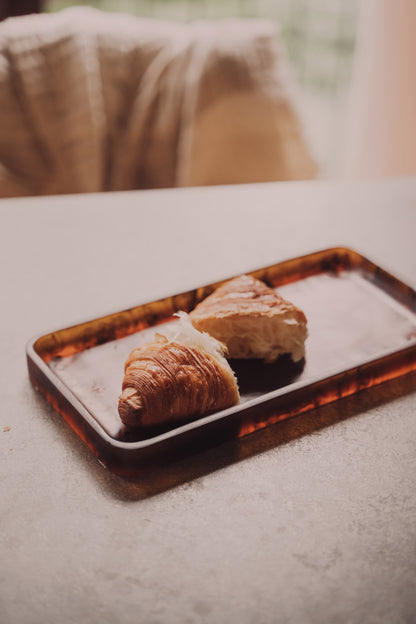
(168, 381)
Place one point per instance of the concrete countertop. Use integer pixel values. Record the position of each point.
(315, 521)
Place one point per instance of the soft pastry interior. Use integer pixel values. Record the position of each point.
(252, 320)
(178, 376)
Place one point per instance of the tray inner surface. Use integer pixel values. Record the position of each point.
(352, 319)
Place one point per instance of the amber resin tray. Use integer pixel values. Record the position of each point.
(362, 332)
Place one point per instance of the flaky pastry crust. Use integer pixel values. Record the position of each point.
(169, 381)
(252, 320)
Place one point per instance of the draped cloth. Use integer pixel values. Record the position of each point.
(93, 101)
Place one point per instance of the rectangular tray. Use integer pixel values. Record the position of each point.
(362, 332)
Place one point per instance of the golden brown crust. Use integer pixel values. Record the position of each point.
(252, 320)
(170, 381)
(243, 295)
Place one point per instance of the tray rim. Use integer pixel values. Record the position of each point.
(264, 399)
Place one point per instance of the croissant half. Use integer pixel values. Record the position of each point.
(173, 380)
(252, 320)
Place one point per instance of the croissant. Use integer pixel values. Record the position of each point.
(252, 320)
(173, 380)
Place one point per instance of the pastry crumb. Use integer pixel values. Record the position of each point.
(6, 429)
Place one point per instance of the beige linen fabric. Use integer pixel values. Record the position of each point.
(92, 101)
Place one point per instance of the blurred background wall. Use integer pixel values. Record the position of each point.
(382, 115)
(353, 59)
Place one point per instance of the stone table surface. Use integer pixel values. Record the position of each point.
(315, 522)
